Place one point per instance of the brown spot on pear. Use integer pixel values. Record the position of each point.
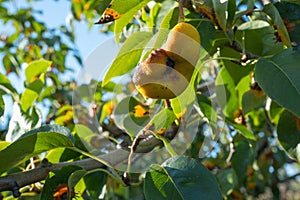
(166, 73)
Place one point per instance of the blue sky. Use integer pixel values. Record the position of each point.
(54, 15)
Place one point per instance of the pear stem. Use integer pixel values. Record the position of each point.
(181, 14)
(167, 103)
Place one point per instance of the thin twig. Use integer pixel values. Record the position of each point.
(289, 178)
(232, 150)
(181, 13)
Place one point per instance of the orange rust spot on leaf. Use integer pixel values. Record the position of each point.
(61, 193)
(161, 131)
(140, 111)
(297, 121)
(239, 117)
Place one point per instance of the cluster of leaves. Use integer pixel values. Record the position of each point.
(249, 52)
(27, 40)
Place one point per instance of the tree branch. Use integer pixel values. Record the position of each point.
(289, 178)
(181, 13)
(14, 182)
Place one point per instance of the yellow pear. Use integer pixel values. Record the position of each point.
(166, 73)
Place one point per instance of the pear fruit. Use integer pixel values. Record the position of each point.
(166, 72)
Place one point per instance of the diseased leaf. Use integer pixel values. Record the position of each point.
(57, 180)
(128, 9)
(288, 131)
(289, 11)
(252, 99)
(271, 10)
(36, 68)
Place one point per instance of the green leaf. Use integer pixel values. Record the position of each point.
(47, 93)
(30, 94)
(242, 87)
(271, 10)
(95, 190)
(236, 71)
(4, 144)
(264, 36)
(275, 111)
(36, 68)
(75, 177)
(242, 129)
(86, 135)
(153, 16)
(183, 103)
(2, 106)
(180, 178)
(208, 109)
(170, 19)
(207, 33)
(6, 86)
(69, 154)
(241, 157)
(288, 133)
(52, 128)
(100, 5)
(231, 8)
(278, 76)
(34, 142)
(220, 10)
(10, 63)
(226, 93)
(128, 9)
(168, 22)
(252, 99)
(128, 56)
(54, 155)
(163, 119)
(289, 12)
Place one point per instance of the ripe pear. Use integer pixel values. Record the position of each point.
(166, 73)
